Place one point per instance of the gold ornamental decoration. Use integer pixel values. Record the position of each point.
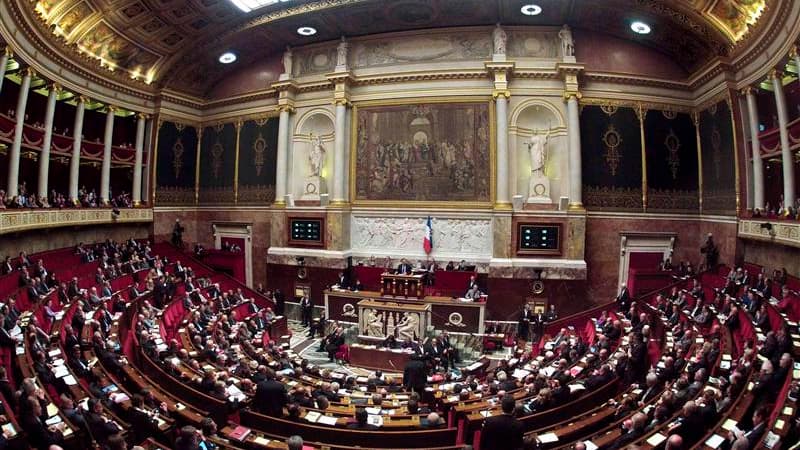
(177, 158)
(216, 157)
(259, 152)
(612, 141)
(673, 144)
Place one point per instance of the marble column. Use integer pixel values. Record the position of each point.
(574, 134)
(105, 170)
(75, 160)
(283, 153)
(3, 63)
(501, 111)
(16, 145)
(786, 151)
(136, 190)
(755, 146)
(44, 157)
(339, 152)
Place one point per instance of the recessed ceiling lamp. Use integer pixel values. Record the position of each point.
(531, 9)
(640, 27)
(227, 57)
(306, 31)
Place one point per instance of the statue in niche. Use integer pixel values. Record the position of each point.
(537, 147)
(499, 38)
(374, 326)
(567, 44)
(539, 187)
(316, 156)
(341, 53)
(287, 61)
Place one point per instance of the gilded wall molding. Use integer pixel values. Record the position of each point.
(24, 220)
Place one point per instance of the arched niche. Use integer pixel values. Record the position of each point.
(309, 125)
(538, 116)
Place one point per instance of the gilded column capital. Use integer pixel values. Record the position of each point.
(55, 87)
(570, 94)
(342, 101)
(83, 99)
(28, 72)
(111, 109)
(747, 90)
(793, 52)
(143, 116)
(775, 73)
(505, 93)
(7, 51)
(289, 108)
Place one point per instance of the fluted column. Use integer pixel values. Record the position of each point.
(786, 151)
(501, 113)
(44, 157)
(338, 152)
(574, 134)
(755, 146)
(105, 170)
(3, 63)
(16, 145)
(75, 160)
(136, 190)
(283, 153)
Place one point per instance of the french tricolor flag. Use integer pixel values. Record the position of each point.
(427, 243)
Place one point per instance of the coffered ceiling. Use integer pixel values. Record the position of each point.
(175, 43)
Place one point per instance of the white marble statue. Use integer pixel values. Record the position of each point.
(316, 156)
(567, 44)
(287, 61)
(499, 38)
(537, 146)
(341, 53)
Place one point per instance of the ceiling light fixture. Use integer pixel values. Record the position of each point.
(306, 31)
(249, 5)
(531, 9)
(640, 27)
(227, 57)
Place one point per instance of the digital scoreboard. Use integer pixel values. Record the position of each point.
(539, 239)
(307, 232)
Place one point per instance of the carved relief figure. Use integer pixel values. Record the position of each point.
(567, 44)
(374, 323)
(499, 38)
(408, 327)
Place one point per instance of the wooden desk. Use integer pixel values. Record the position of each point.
(453, 316)
(396, 285)
(369, 357)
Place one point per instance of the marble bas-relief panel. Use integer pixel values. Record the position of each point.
(453, 47)
(456, 238)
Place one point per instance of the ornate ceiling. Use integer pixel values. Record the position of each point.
(175, 43)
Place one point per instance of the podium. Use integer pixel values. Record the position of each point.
(396, 285)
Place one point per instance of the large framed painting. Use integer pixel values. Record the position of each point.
(433, 152)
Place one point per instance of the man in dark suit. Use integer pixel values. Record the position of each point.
(623, 298)
(435, 353)
(634, 429)
(415, 375)
(503, 432)
(404, 268)
(306, 309)
(525, 319)
(271, 396)
(333, 342)
(341, 281)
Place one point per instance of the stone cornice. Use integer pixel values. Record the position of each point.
(23, 220)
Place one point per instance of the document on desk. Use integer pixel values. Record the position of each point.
(375, 420)
(312, 416)
(715, 441)
(548, 438)
(656, 439)
(327, 420)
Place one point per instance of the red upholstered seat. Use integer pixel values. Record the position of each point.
(344, 353)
